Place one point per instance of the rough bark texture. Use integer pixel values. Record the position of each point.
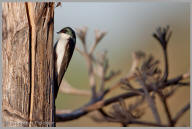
(27, 50)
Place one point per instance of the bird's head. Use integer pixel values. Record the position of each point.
(67, 33)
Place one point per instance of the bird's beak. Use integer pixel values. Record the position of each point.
(57, 32)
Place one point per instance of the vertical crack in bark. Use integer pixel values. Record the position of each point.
(32, 41)
(27, 11)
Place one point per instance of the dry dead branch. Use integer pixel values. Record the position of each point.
(144, 70)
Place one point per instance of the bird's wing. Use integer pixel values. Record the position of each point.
(55, 70)
(55, 57)
(67, 57)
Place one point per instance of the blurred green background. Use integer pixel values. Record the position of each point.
(129, 27)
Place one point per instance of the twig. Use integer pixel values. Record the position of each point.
(63, 111)
(150, 101)
(180, 113)
(165, 105)
(82, 35)
(112, 75)
(67, 88)
(136, 57)
(166, 65)
(98, 36)
(163, 35)
(101, 69)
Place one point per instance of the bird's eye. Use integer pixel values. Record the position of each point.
(64, 31)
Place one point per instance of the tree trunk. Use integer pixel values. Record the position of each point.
(27, 51)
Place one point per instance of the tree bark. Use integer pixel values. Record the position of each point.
(27, 51)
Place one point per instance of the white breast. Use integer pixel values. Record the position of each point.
(60, 50)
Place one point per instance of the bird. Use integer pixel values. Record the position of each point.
(63, 51)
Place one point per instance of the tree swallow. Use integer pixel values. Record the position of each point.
(63, 51)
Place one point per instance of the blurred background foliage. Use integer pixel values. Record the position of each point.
(129, 28)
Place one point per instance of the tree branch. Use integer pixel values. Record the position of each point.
(99, 103)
